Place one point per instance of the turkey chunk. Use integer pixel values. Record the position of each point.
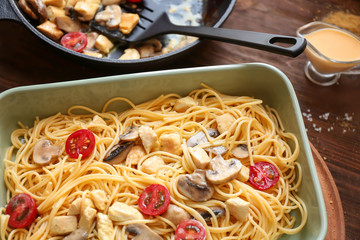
(224, 122)
(149, 138)
(183, 104)
(171, 142)
(136, 153)
(238, 208)
(104, 227)
(122, 212)
(99, 198)
(62, 225)
(87, 218)
(152, 165)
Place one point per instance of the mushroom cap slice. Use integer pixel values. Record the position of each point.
(142, 232)
(223, 171)
(217, 211)
(131, 134)
(117, 154)
(111, 16)
(78, 234)
(44, 151)
(240, 151)
(195, 186)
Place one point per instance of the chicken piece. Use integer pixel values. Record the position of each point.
(87, 9)
(99, 198)
(54, 12)
(122, 212)
(71, 3)
(111, 2)
(103, 44)
(97, 124)
(171, 142)
(152, 165)
(224, 122)
(104, 227)
(149, 138)
(199, 156)
(56, 3)
(238, 208)
(50, 30)
(146, 50)
(130, 54)
(67, 24)
(183, 104)
(136, 153)
(128, 22)
(86, 202)
(244, 174)
(62, 225)
(75, 207)
(92, 53)
(87, 218)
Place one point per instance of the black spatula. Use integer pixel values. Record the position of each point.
(154, 21)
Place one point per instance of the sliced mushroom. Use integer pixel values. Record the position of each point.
(38, 7)
(146, 50)
(67, 24)
(142, 232)
(223, 171)
(131, 134)
(117, 154)
(25, 6)
(217, 211)
(78, 234)
(91, 39)
(195, 186)
(44, 151)
(110, 17)
(176, 214)
(155, 43)
(240, 151)
(218, 150)
(200, 137)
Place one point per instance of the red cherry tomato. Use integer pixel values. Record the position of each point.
(80, 142)
(134, 1)
(75, 41)
(22, 210)
(190, 230)
(154, 200)
(263, 175)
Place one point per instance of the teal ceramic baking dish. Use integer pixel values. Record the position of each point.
(253, 79)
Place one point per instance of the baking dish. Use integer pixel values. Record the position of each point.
(253, 79)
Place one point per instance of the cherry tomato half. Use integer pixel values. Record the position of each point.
(80, 142)
(263, 175)
(75, 41)
(154, 200)
(22, 210)
(190, 230)
(134, 1)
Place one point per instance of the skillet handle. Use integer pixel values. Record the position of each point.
(7, 12)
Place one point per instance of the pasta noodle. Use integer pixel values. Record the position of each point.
(57, 185)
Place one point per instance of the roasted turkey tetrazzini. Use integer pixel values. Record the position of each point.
(221, 164)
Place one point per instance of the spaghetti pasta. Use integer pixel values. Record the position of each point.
(57, 185)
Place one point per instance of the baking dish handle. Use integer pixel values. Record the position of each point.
(7, 12)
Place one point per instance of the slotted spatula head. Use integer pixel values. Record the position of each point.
(151, 14)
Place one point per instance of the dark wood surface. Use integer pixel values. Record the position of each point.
(331, 114)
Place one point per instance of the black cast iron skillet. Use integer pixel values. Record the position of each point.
(215, 13)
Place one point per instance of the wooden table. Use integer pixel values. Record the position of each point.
(331, 114)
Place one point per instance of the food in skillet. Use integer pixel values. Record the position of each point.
(204, 166)
(68, 23)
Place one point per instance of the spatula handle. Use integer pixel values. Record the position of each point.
(263, 41)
